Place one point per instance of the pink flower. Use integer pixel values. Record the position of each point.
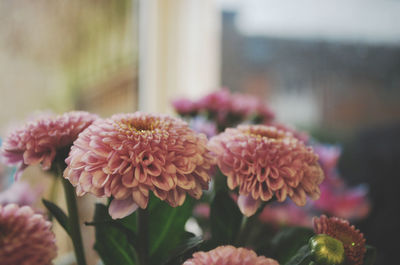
(229, 255)
(19, 193)
(265, 162)
(202, 125)
(185, 106)
(353, 241)
(218, 101)
(287, 213)
(246, 105)
(347, 203)
(25, 237)
(39, 141)
(129, 155)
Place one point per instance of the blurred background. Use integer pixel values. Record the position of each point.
(331, 68)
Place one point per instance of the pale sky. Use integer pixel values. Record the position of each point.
(371, 21)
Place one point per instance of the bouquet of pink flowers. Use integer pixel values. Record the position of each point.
(160, 175)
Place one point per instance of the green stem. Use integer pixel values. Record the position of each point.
(73, 222)
(142, 226)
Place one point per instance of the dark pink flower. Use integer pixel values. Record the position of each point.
(353, 241)
(129, 155)
(265, 162)
(246, 106)
(229, 255)
(38, 141)
(185, 106)
(218, 101)
(25, 237)
(283, 214)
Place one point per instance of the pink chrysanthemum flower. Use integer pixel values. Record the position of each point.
(25, 237)
(39, 140)
(229, 255)
(353, 241)
(264, 161)
(129, 155)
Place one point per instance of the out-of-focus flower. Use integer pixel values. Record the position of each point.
(246, 106)
(337, 198)
(202, 210)
(285, 214)
(25, 237)
(38, 141)
(129, 155)
(216, 101)
(347, 203)
(300, 135)
(20, 193)
(353, 241)
(265, 162)
(326, 250)
(185, 106)
(229, 255)
(202, 125)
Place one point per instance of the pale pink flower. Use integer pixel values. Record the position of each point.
(25, 237)
(202, 125)
(39, 141)
(353, 241)
(20, 193)
(129, 155)
(265, 162)
(229, 255)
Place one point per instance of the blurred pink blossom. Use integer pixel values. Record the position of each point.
(20, 193)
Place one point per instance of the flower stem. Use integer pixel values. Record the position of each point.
(73, 222)
(142, 225)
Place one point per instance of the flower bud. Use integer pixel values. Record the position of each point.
(326, 250)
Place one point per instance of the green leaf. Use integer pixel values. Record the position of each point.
(302, 257)
(166, 227)
(370, 255)
(288, 241)
(58, 213)
(112, 242)
(184, 251)
(225, 218)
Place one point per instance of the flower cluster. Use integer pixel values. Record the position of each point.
(129, 155)
(225, 109)
(265, 162)
(39, 140)
(229, 255)
(25, 237)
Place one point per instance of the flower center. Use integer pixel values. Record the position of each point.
(270, 133)
(137, 126)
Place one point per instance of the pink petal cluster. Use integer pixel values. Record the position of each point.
(20, 193)
(353, 241)
(38, 141)
(285, 214)
(229, 255)
(25, 237)
(265, 162)
(129, 155)
(224, 104)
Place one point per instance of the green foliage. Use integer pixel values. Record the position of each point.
(288, 241)
(185, 250)
(58, 213)
(112, 243)
(166, 227)
(370, 255)
(302, 257)
(225, 218)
